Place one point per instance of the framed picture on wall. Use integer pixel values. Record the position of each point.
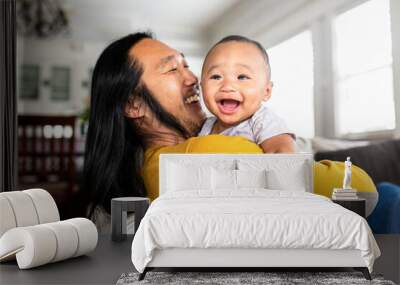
(60, 83)
(29, 81)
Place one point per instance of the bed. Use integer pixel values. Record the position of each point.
(247, 211)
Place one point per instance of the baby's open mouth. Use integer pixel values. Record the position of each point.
(228, 106)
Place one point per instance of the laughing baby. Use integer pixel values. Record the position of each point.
(236, 83)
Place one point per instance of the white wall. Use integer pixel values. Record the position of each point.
(271, 25)
(80, 57)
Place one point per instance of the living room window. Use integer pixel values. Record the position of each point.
(363, 69)
(292, 74)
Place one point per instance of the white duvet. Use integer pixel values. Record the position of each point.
(253, 218)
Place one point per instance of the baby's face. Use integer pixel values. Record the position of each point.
(235, 81)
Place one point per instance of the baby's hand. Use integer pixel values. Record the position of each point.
(283, 143)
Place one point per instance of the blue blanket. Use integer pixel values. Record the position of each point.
(385, 219)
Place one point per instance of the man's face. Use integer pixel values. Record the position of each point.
(235, 81)
(167, 76)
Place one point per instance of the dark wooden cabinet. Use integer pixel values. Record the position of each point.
(46, 159)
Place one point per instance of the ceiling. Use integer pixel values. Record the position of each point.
(100, 20)
(188, 25)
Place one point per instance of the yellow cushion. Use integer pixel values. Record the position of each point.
(329, 174)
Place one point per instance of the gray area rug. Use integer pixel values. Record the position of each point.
(228, 278)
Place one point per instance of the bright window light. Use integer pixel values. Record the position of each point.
(364, 76)
(292, 74)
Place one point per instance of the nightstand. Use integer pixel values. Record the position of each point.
(357, 205)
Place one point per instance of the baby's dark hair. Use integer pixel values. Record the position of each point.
(242, 39)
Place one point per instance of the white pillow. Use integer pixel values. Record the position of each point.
(251, 178)
(223, 179)
(183, 177)
(293, 179)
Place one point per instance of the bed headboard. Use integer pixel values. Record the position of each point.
(239, 161)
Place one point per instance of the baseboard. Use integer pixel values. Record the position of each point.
(388, 263)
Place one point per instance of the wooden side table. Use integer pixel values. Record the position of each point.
(357, 205)
(119, 209)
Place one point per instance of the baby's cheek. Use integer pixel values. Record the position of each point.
(206, 90)
(208, 96)
(210, 104)
(252, 105)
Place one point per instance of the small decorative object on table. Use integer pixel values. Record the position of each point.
(347, 196)
(119, 209)
(345, 193)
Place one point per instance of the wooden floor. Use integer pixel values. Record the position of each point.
(389, 262)
(102, 266)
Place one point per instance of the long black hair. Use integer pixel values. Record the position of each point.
(114, 143)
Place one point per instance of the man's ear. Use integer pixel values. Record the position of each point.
(135, 108)
(268, 91)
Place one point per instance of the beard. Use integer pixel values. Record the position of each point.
(194, 126)
(186, 127)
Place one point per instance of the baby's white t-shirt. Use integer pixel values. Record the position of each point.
(263, 125)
